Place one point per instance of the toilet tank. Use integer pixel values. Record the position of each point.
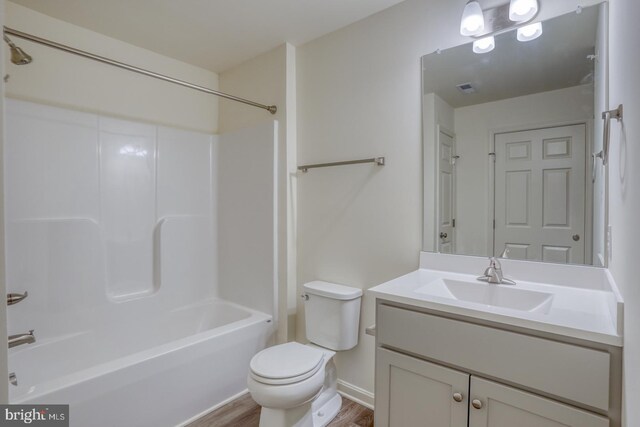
(332, 314)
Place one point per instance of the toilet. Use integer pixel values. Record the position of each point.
(296, 384)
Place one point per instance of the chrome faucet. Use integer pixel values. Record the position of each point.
(19, 339)
(493, 274)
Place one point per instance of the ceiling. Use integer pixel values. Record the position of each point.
(556, 60)
(213, 34)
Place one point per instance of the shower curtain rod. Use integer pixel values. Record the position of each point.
(270, 108)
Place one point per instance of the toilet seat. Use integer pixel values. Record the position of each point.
(286, 364)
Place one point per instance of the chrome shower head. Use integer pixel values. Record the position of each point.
(18, 56)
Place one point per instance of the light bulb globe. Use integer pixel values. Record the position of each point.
(529, 32)
(522, 10)
(484, 45)
(472, 21)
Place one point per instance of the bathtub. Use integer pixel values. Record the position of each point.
(160, 370)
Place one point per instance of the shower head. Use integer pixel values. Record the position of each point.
(18, 56)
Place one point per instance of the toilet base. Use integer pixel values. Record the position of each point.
(307, 415)
(300, 416)
(327, 412)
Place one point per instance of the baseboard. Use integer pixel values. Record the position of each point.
(213, 408)
(355, 393)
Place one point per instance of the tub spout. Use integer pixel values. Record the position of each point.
(19, 339)
(14, 298)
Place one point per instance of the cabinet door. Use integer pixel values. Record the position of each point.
(411, 393)
(502, 406)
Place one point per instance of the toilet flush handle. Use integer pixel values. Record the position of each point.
(305, 297)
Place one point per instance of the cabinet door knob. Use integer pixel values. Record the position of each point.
(476, 403)
(457, 397)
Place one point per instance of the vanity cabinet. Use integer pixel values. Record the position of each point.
(437, 371)
(412, 392)
(497, 405)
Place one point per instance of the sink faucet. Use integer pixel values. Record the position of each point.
(493, 274)
(19, 339)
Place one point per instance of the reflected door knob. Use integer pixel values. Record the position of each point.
(476, 403)
(443, 235)
(576, 237)
(457, 397)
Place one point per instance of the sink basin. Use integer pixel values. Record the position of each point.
(493, 295)
(588, 306)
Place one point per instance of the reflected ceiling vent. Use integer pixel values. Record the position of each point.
(466, 88)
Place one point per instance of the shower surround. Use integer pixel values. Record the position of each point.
(134, 241)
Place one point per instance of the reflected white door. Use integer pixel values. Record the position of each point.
(540, 194)
(446, 192)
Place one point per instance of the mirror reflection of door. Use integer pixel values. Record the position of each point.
(446, 191)
(540, 189)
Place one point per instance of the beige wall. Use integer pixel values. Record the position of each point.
(62, 79)
(624, 188)
(359, 96)
(270, 79)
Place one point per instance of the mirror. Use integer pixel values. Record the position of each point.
(509, 137)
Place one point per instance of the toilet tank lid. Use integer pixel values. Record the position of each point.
(332, 290)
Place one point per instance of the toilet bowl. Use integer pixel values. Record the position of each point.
(296, 384)
(286, 375)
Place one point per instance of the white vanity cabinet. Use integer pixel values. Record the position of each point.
(437, 371)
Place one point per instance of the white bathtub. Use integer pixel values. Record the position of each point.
(161, 370)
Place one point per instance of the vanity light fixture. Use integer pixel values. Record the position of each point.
(483, 25)
(484, 45)
(472, 22)
(522, 10)
(529, 32)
